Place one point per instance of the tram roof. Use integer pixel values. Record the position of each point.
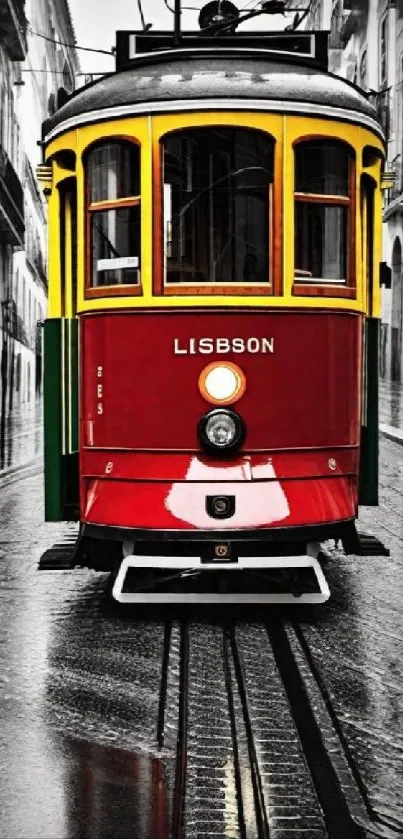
(245, 75)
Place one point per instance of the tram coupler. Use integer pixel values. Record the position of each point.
(248, 579)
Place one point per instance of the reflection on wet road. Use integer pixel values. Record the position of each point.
(20, 436)
(117, 723)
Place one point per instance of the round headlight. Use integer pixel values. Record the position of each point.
(221, 430)
(222, 383)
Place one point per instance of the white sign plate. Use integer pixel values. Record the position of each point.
(117, 262)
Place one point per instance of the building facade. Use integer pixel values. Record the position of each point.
(13, 48)
(38, 62)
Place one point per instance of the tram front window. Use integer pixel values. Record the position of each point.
(322, 212)
(113, 216)
(217, 188)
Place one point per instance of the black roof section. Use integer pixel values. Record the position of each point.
(226, 70)
(307, 47)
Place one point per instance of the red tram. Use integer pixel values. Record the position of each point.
(211, 345)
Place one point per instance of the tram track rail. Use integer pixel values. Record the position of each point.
(231, 647)
(250, 757)
(337, 817)
(242, 719)
(377, 821)
(178, 810)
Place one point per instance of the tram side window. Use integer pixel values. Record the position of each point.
(217, 188)
(113, 214)
(322, 213)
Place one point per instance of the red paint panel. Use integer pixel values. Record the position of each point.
(181, 506)
(138, 394)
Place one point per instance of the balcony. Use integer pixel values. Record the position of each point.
(393, 196)
(14, 324)
(350, 24)
(13, 26)
(11, 203)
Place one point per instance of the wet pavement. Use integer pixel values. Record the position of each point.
(21, 436)
(121, 723)
(391, 404)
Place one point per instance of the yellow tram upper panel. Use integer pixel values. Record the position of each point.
(73, 141)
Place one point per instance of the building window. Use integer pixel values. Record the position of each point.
(323, 206)
(383, 53)
(217, 186)
(363, 71)
(336, 25)
(113, 218)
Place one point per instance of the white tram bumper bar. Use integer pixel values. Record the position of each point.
(195, 566)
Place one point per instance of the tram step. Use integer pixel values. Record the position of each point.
(370, 546)
(280, 579)
(59, 557)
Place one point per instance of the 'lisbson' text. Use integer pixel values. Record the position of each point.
(207, 346)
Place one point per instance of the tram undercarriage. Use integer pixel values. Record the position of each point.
(243, 570)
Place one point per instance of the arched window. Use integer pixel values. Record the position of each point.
(217, 188)
(113, 217)
(363, 70)
(323, 213)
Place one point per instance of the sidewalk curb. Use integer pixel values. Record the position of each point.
(392, 433)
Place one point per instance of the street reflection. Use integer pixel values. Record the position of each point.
(112, 792)
(356, 642)
(20, 435)
(390, 403)
(101, 703)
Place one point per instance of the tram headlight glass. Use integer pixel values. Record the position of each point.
(222, 383)
(221, 430)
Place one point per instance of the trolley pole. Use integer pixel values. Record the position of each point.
(177, 22)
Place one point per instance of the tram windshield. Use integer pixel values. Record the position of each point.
(217, 193)
(322, 212)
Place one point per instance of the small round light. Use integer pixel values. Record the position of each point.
(222, 383)
(221, 430)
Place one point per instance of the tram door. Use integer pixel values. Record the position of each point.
(368, 488)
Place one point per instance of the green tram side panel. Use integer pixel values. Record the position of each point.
(369, 454)
(61, 420)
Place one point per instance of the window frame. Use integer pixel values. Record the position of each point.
(91, 207)
(320, 287)
(273, 287)
(363, 68)
(383, 51)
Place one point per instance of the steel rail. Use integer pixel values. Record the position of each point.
(260, 806)
(232, 716)
(178, 810)
(164, 684)
(324, 692)
(337, 817)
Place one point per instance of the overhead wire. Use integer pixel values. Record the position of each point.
(64, 44)
(298, 20)
(187, 8)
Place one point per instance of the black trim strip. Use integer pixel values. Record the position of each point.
(310, 533)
